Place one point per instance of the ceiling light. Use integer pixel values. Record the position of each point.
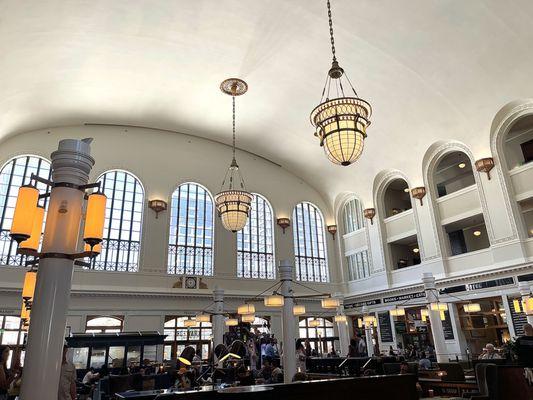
(232, 322)
(330, 303)
(477, 233)
(298, 309)
(462, 165)
(233, 203)
(341, 121)
(472, 307)
(246, 309)
(248, 318)
(340, 318)
(416, 250)
(274, 300)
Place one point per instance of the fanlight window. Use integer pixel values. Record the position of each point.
(191, 231)
(123, 222)
(103, 325)
(309, 244)
(255, 242)
(353, 216)
(15, 173)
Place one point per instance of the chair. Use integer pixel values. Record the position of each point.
(453, 372)
(391, 368)
(487, 381)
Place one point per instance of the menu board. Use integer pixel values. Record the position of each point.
(447, 327)
(519, 319)
(385, 327)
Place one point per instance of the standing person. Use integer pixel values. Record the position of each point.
(352, 348)
(361, 346)
(252, 354)
(5, 375)
(524, 347)
(301, 356)
(67, 379)
(308, 350)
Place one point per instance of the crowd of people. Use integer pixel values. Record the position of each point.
(10, 378)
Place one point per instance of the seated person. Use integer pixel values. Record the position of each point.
(489, 353)
(277, 372)
(524, 347)
(404, 368)
(90, 377)
(424, 362)
(266, 371)
(183, 382)
(244, 376)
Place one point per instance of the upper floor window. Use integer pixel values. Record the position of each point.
(98, 324)
(396, 198)
(123, 221)
(358, 266)
(309, 244)
(15, 173)
(353, 216)
(453, 173)
(255, 243)
(191, 231)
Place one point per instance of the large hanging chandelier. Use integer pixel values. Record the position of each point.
(340, 121)
(233, 203)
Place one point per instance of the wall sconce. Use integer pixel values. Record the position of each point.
(485, 165)
(333, 230)
(157, 206)
(418, 193)
(284, 223)
(370, 213)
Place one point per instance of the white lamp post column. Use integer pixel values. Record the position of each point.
(342, 327)
(368, 335)
(525, 292)
(218, 316)
(71, 165)
(287, 327)
(434, 317)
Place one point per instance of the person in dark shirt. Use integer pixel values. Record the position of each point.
(524, 347)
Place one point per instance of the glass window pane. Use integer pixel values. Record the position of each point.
(79, 357)
(134, 356)
(97, 357)
(116, 357)
(149, 354)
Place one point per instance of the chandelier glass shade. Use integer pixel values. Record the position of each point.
(340, 121)
(32, 243)
(233, 202)
(30, 279)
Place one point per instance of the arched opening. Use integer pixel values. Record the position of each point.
(518, 152)
(396, 198)
(453, 173)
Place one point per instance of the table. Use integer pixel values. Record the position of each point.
(150, 394)
(447, 388)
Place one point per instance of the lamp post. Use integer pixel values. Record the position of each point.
(71, 165)
(288, 334)
(434, 317)
(218, 316)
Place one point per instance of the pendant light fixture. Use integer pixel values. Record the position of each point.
(233, 202)
(340, 120)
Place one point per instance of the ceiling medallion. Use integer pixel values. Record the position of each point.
(233, 203)
(340, 121)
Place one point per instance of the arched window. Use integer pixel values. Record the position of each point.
(178, 336)
(453, 173)
(396, 198)
(353, 216)
(190, 247)
(309, 244)
(98, 324)
(255, 243)
(15, 173)
(123, 221)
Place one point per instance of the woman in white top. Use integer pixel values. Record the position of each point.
(300, 357)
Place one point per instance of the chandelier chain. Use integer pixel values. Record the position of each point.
(233, 98)
(331, 32)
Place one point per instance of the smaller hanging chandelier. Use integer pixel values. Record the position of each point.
(340, 318)
(233, 203)
(246, 308)
(340, 121)
(274, 300)
(298, 309)
(330, 302)
(248, 318)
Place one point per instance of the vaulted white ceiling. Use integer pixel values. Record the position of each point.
(432, 69)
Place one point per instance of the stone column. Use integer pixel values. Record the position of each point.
(343, 329)
(71, 164)
(287, 326)
(525, 292)
(218, 316)
(434, 317)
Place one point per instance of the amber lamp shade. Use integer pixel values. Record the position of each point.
(32, 243)
(94, 219)
(298, 310)
(187, 355)
(248, 318)
(30, 278)
(203, 318)
(25, 210)
(284, 223)
(246, 309)
(94, 250)
(330, 303)
(274, 301)
(232, 322)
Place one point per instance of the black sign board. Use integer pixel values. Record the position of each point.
(403, 297)
(400, 327)
(363, 303)
(385, 327)
(478, 285)
(447, 327)
(519, 319)
(525, 278)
